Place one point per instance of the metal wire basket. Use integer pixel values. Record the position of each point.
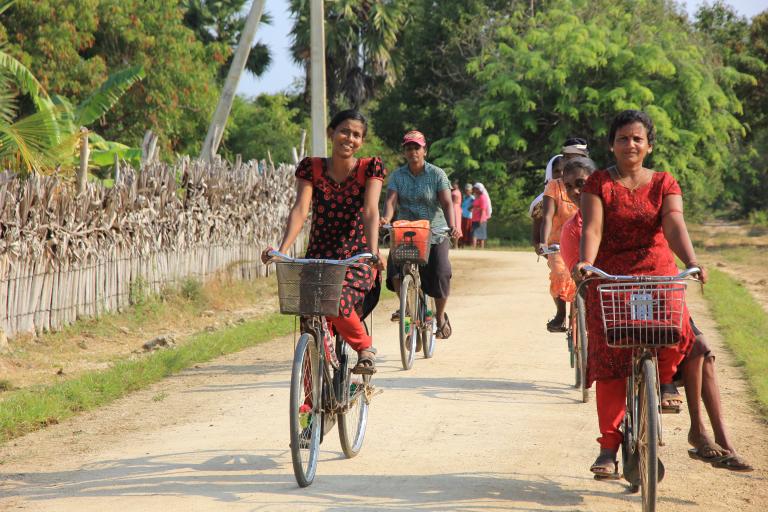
(647, 314)
(310, 288)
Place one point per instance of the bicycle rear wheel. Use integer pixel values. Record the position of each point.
(353, 421)
(648, 435)
(305, 409)
(428, 329)
(581, 348)
(408, 312)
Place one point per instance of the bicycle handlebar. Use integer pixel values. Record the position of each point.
(278, 256)
(435, 231)
(605, 275)
(551, 249)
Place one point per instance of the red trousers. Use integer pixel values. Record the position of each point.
(611, 397)
(352, 330)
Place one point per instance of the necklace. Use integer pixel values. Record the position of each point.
(348, 172)
(625, 179)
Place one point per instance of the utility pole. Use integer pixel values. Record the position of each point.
(219, 121)
(317, 77)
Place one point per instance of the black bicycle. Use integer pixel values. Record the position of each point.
(418, 325)
(323, 388)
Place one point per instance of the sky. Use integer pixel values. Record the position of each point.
(284, 72)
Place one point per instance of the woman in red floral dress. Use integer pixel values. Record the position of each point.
(343, 195)
(634, 216)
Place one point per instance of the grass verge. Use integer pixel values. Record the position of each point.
(744, 326)
(25, 410)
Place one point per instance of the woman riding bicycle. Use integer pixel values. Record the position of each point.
(419, 190)
(634, 216)
(343, 194)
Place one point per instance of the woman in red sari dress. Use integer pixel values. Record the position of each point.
(342, 193)
(634, 216)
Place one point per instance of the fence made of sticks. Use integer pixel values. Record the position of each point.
(66, 255)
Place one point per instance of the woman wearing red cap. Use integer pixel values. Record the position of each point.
(343, 195)
(421, 191)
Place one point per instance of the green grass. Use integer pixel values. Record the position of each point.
(26, 410)
(744, 325)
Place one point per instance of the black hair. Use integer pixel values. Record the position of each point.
(579, 163)
(558, 161)
(344, 115)
(575, 141)
(629, 117)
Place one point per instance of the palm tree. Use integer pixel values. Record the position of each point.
(360, 35)
(48, 138)
(223, 21)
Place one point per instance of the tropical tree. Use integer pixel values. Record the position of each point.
(360, 36)
(568, 69)
(222, 22)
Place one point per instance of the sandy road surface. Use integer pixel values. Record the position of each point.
(491, 423)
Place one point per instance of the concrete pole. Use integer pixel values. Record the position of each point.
(317, 44)
(82, 172)
(219, 121)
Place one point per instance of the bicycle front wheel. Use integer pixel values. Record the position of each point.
(648, 435)
(581, 348)
(305, 409)
(408, 312)
(353, 421)
(429, 328)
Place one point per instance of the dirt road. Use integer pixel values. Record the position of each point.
(491, 423)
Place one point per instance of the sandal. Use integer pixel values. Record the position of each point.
(444, 331)
(395, 316)
(706, 450)
(606, 467)
(669, 394)
(366, 362)
(733, 462)
(553, 326)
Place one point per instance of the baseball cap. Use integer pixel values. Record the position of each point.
(415, 136)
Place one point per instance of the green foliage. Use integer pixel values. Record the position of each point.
(191, 289)
(360, 38)
(556, 74)
(71, 45)
(27, 410)
(744, 325)
(263, 123)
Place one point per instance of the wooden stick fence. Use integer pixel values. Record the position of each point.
(65, 256)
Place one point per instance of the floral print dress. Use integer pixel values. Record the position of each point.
(337, 230)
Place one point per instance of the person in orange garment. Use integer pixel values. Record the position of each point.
(342, 192)
(633, 224)
(556, 210)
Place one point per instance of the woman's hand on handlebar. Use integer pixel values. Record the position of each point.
(265, 255)
(380, 263)
(455, 233)
(579, 273)
(702, 275)
(541, 249)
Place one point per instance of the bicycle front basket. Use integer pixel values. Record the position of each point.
(310, 288)
(648, 314)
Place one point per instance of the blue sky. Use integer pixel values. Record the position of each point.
(283, 72)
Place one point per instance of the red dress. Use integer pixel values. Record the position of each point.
(337, 222)
(633, 243)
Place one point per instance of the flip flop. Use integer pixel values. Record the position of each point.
(733, 462)
(711, 446)
(444, 331)
(669, 392)
(366, 364)
(553, 326)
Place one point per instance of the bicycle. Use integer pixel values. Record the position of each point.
(323, 390)
(642, 313)
(418, 325)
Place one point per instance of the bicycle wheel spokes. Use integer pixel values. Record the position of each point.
(648, 436)
(408, 328)
(429, 329)
(353, 421)
(305, 410)
(581, 348)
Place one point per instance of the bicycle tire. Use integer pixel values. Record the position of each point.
(583, 345)
(428, 329)
(354, 420)
(648, 436)
(306, 381)
(408, 329)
